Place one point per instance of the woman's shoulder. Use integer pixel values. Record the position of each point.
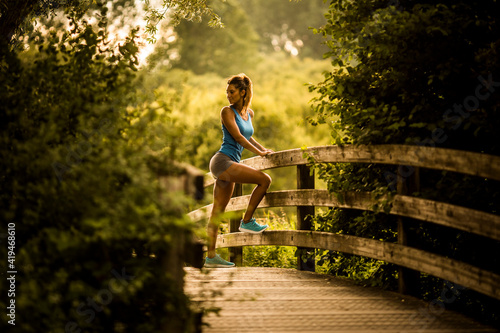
(226, 110)
(250, 111)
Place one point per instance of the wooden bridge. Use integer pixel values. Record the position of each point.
(279, 300)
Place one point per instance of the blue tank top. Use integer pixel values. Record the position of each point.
(229, 146)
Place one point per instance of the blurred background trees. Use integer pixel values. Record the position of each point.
(221, 51)
(285, 25)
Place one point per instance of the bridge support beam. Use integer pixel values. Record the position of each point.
(408, 182)
(305, 256)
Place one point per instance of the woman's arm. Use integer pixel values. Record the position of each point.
(258, 145)
(229, 120)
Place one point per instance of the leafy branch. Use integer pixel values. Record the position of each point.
(176, 11)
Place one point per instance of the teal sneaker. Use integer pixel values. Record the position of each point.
(252, 227)
(217, 262)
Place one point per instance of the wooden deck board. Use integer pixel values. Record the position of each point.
(287, 300)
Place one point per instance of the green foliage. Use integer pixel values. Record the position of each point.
(94, 227)
(177, 11)
(272, 256)
(362, 270)
(18, 16)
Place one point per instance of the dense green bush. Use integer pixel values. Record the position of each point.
(94, 227)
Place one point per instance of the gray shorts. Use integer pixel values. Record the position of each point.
(219, 163)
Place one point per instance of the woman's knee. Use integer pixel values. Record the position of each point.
(266, 180)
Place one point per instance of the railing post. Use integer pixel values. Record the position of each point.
(236, 253)
(305, 180)
(408, 182)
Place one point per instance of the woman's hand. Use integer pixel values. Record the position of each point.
(266, 152)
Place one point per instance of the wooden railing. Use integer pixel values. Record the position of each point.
(305, 198)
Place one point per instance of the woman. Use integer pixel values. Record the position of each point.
(237, 132)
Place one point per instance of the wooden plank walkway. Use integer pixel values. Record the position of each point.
(255, 300)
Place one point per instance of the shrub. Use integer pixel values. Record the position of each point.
(94, 229)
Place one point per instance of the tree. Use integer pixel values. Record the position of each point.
(409, 65)
(176, 11)
(222, 51)
(16, 16)
(419, 73)
(285, 25)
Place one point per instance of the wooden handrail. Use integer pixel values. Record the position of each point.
(457, 217)
(469, 163)
(461, 218)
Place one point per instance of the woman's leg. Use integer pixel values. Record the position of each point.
(222, 194)
(240, 173)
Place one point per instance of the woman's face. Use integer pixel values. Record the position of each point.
(233, 94)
